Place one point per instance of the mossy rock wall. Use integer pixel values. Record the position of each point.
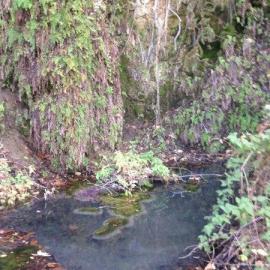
(213, 66)
(61, 59)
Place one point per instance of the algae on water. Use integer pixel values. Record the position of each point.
(126, 206)
(123, 208)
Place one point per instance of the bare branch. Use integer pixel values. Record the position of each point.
(179, 28)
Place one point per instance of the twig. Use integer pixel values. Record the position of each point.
(237, 233)
(244, 173)
(39, 185)
(179, 28)
(190, 253)
(231, 239)
(188, 247)
(201, 175)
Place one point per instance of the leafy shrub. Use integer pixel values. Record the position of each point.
(244, 200)
(221, 110)
(232, 91)
(131, 169)
(13, 189)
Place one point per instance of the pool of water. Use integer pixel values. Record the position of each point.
(170, 221)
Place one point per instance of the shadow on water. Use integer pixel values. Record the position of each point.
(169, 222)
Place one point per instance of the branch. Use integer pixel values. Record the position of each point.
(179, 27)
(244, 173)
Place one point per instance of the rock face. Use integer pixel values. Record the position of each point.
(197, 56)
(145, 11)
(78, 66)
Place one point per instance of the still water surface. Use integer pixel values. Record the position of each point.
(171, 221)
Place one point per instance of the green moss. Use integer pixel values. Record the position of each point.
(134, 106)
(211, 51)
(124, 75)
(111, 225)
(126, 206)
(18, 258)
(89, 209)
(165, 88)
(191, 187)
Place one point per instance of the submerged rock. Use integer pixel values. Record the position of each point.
(193, 183)
(110, 227)
(123, 205)
(191, 187)
(90, 194)
(91, 211)
(124, 208)
(73, 188)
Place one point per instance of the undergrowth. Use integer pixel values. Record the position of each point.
(217, 96)
(15, 187)
(229, 102)
(131, 170)
(239, 228)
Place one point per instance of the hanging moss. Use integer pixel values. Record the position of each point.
(211, 51)
(61, 60)
(133, 103)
